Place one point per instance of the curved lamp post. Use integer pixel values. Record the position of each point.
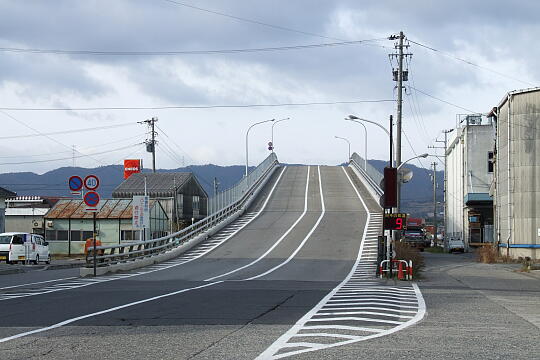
(274, 124)
(416, 157)
(247, 134)
(348, 142)
(360, 120)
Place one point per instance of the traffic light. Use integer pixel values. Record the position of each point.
(390, 187)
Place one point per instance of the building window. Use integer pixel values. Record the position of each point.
(87, 235)
(62, 235)
(490, 162)
(195, 203)
(130, 235)
(50, 235)
(75, 235)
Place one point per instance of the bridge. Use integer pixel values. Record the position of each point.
(284, 267)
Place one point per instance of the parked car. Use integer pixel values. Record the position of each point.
(19, 247)
(455, 245)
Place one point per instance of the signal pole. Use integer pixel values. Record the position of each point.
(151, 144)
(434, 201)
(400, 75)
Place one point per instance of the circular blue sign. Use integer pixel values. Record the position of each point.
(91, 198)
(75, 183)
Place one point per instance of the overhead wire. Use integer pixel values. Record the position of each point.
(437, 51)
(444, 101)
(183, 52)
(45, 135)
(63, 132)
(195, 107)
(67, 158)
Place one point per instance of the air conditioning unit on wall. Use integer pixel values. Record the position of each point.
(37, 223)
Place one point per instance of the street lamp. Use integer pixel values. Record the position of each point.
(274, 124)
(360, 120)
(416, 157)
(348, 142)
(247, 134)
(365, 140)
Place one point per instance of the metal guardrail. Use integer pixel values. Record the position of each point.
(225, 198)
(112, 254)
(372, 175)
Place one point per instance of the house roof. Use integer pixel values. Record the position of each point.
(110, 209)
(4, 193)
(157, 184)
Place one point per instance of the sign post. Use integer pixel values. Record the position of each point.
(91, 199)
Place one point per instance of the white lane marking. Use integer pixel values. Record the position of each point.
(291, 347)
(37, 282)
(69, 321)
(183, 259)
(277, 242)
(303, 241)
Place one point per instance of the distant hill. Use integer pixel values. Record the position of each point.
(417, 195)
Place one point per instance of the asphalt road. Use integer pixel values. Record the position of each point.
(301, 251)
(293, 259)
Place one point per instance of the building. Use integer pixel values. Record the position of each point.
(469, 168)
(4, 194)
(517, 173)
(181, 193)
(25, 213)
(68, 225)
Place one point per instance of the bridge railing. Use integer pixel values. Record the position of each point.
(372, 176)
(245, 190)
(229, 196)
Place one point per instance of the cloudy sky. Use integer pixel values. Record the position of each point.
(499, 38)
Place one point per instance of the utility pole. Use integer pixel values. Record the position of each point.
(400, 75)
(151, 144)
(434, 178)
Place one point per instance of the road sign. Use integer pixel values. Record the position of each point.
(141, 212)
(91, 199)
(91, 182)
(75, 183)
(395, 221)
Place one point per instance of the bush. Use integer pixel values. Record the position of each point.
(487, 255)
(405, 252)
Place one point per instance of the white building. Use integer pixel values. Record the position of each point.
(469, 167)
(517, 173)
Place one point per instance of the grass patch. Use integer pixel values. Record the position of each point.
(435, 250)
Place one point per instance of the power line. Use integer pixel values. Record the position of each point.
(45, 135)
(251, 21)
(182, 52)
(68, 158)
(195, 107)
(66, 131)
(444, 101)
(469, 62)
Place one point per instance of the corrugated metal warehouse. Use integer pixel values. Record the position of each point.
(182, 189)
(68, 225)
(517, 200)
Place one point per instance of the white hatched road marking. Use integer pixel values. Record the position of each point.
(183, 259)
(359, 308)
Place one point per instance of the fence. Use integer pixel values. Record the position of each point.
(240, 195)
(372, 175)
(225, 198)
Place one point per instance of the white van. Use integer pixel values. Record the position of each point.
(19, 246)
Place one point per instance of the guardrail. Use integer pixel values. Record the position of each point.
(112, 254)
(233, 194)
(370, 174)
